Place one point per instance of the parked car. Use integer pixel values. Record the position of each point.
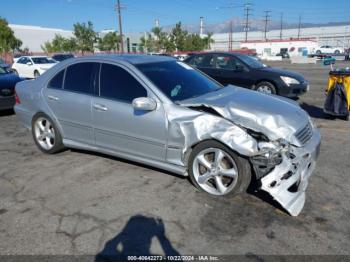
(327, 49)
(246, 71)
(159, 111)
(8, 80)
(62, 57)
(32, 66)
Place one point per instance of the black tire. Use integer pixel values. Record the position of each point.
(266, 84)
(318, 52)
(242, 164)
(36, 74)
(15, 71)
(337, 52)
(57, 145)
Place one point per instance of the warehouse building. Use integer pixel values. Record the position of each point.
(33, 37)
(330, 35)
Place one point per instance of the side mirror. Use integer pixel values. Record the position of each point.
(29, 63)
(144, 103)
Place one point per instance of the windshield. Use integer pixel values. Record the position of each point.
(41, 60)
(4, 70)
(177, 80)
(250, 61)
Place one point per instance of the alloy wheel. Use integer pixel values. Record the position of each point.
(215, 171)
(44, 133)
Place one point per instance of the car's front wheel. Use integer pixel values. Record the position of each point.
(46, 135)
(337, 52)
(217, 170)
(266, 88)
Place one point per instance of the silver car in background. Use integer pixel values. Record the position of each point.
(161, 112)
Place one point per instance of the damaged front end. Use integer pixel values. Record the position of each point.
(283, 170)
(276, 135)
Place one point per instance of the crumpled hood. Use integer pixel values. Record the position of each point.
(273, 116)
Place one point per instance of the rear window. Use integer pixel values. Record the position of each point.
(57, 81)
(79, 78)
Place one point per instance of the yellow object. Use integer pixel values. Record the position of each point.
(340, 79)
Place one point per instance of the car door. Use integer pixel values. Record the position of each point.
(28, 68)
(19, 66)
(117, 125)
(231, 71)
(69, 96)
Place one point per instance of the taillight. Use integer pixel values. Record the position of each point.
(17, 98)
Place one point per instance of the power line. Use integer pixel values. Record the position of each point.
(119, 7)
(266, 21)
(247, 13)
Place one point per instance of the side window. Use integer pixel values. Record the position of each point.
(79, 78)
(57, 81)
(203, 61)
(117, 83)
(22, 60)
(227, 62)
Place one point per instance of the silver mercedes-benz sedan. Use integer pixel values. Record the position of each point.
(163, 113)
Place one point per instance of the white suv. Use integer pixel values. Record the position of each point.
(32, 66)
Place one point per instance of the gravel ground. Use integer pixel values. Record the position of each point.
(84, 203)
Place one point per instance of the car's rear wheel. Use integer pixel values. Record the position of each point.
(46, 135)
(217, 170)
(266, 88)
(337, 52)
(318, 52)
(36, 74)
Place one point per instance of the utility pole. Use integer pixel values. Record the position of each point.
(230, 37)
(201, 26)
(299, 27)
(281, 28)
(156, 23)
(266, 21)
(247, 13)
(119, 7)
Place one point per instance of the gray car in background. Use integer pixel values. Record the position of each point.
(164, 113)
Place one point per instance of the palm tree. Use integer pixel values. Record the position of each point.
(208, 40)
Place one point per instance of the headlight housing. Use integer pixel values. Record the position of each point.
(289, 80)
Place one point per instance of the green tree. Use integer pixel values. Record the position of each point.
(85, 36)
(178, 37)
(109, 42)
(8, 41)
(60, 44)
(208, 40)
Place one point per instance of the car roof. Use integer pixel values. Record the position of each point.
(132, 59)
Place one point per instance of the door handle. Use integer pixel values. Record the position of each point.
(100, 107)
(53, 98)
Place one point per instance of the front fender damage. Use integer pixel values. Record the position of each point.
(285, 179)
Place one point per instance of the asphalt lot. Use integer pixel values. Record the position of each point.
(82, 203)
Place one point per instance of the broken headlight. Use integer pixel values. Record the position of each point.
(269, 157)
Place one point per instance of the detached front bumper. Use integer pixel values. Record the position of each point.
(287, 182)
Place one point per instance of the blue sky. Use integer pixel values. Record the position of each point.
(139, 15)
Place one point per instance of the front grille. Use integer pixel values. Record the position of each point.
(304, 134)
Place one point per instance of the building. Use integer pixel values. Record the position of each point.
(330, 35)
(33, 37)
(294, 47)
